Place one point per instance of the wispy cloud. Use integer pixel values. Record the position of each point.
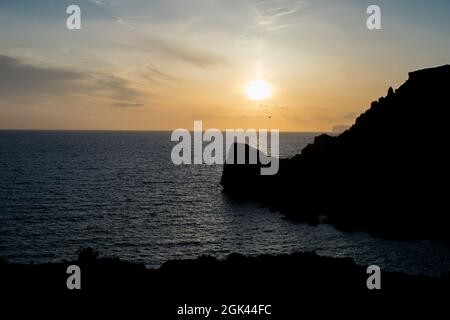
(127, 105)
(276, 15)
(21, 81)
(17, 78)
(155, 76)
(180, 51)
(170, 47)
(102, 2)
(163, 75)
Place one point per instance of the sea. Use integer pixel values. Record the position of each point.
(119, 193)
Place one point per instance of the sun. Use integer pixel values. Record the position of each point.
(258, 90)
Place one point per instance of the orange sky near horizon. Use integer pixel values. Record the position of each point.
(162, 65)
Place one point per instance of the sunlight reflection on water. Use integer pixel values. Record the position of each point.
(119, 193)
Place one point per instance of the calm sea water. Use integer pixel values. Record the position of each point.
(119, 193)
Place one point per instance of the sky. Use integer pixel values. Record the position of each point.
(161, 64)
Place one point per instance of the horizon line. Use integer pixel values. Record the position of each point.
(149, 130)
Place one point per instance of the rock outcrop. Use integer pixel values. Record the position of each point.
(387, 174)
(281, 280)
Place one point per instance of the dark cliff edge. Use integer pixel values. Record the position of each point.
(386, 175)
(290, 283)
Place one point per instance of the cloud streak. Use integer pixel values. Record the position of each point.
(17, 78)
(275, 15)
(20, 81)
(127, 105)
(172, 48)
(182, 52)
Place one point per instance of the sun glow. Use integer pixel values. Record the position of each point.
(258, 90)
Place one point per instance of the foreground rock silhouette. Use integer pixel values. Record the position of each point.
(387, 174)
(291, 283)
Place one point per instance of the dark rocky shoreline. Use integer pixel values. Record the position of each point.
(385, 175)
(314, 271)
(294, 284)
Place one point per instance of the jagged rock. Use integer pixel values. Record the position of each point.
(391, 167)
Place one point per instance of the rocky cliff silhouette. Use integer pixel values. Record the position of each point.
(387, 174)
(294, 285)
